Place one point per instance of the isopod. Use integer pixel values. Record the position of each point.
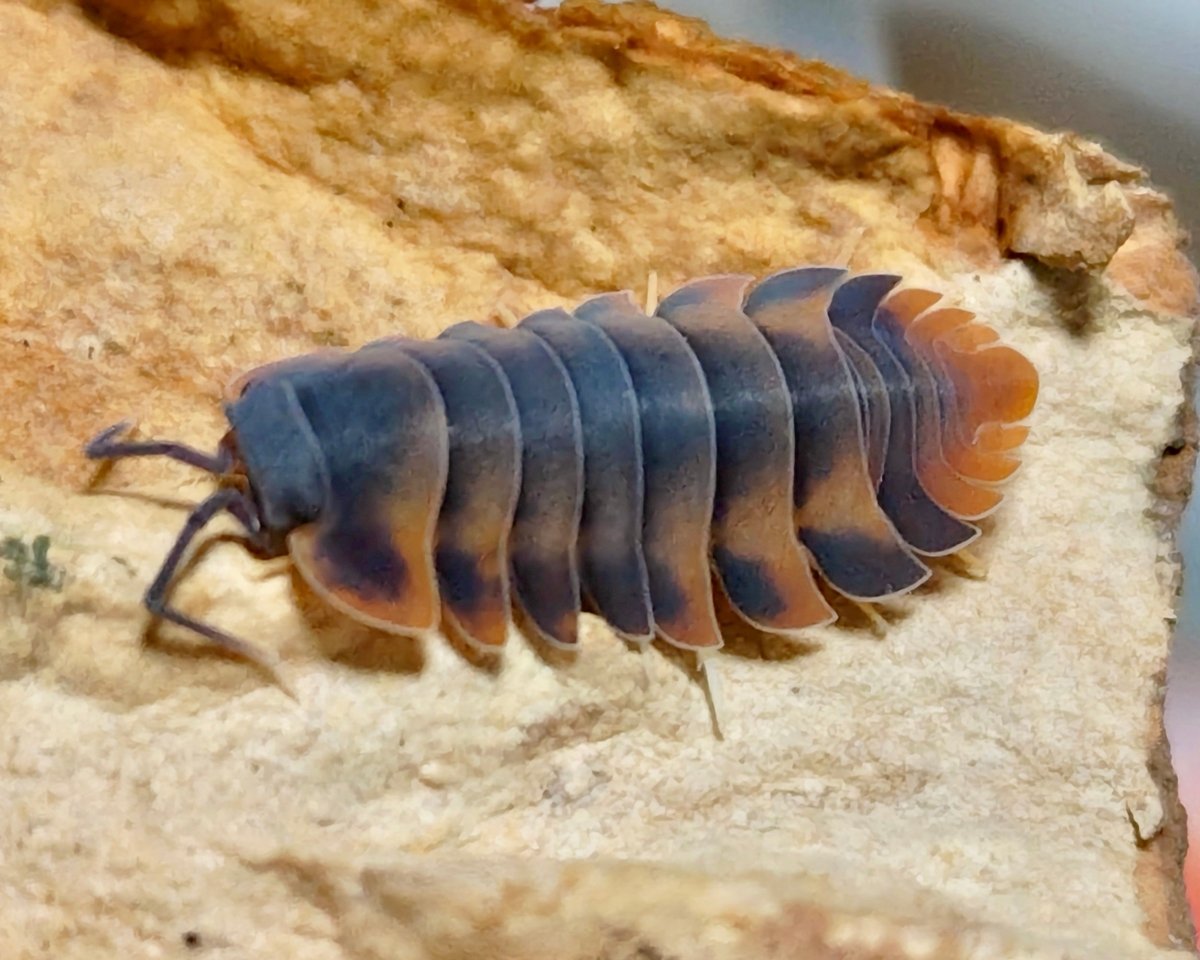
(753, 437)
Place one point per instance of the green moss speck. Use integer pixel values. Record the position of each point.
(29, 564)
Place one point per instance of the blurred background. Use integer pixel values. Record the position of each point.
(1126, 75)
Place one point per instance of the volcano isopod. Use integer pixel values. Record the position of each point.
(747, 437)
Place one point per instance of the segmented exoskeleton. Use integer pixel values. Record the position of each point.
(812, 424)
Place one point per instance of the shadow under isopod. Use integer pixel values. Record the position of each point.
(345, 641)
(341, 639)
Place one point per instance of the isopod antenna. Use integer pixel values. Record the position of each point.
(106, 446)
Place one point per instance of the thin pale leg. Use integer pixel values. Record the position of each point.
(508, 316)
(969, 564)
(878, 624)
(848, 247)
(651, 293)
(643, 650)
(706, 663)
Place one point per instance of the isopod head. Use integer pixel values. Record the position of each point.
(342, 465)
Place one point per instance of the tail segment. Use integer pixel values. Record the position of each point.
(984, 389)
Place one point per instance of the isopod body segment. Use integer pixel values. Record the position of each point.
(752, 438)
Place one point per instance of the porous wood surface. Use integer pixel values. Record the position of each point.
(188, 189)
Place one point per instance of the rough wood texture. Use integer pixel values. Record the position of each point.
(189, 189)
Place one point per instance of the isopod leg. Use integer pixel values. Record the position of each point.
(651, 293)
(969, 565)
(706, 663)
(874, 617)
(507, 316)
